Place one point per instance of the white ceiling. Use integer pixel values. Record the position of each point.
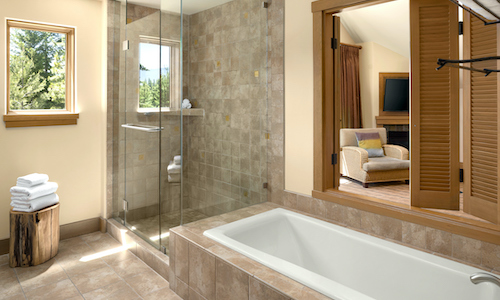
(188, 6)
(386, 24)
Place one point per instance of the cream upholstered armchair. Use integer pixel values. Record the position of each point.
(355, 163)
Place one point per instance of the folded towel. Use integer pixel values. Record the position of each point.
(36, 204)
(29, 193)
(32, 179)
(177, 160)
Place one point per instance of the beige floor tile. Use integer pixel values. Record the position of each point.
(76, 267)
(116, 257)
(146, 282)
(4, 259)
(79, 297)
(129, 267)
(37, 276)
(163, 294)
(95, 279)
(15, 297)
(99, 241)
(9, 286)
(119, 291)
(60, 290)
(6, 271)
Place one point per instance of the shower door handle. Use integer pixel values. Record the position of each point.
(146, 128)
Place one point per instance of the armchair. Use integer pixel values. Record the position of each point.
(355, 163)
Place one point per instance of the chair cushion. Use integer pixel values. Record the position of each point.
(385, 164)
(370, 141)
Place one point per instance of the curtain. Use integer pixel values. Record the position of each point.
(350, 95)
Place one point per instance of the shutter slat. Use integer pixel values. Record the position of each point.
(481, 180)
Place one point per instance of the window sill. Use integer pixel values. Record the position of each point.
(32, 120)
(458, 225)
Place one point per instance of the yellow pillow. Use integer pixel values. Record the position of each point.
(370, 141)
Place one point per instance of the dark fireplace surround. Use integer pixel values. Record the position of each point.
(398, 135)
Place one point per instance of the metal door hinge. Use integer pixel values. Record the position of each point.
(334, 158)
(125, 205)
(265, 4)
(163, 249)
(264, 185)
(334, 43)
(126, 45)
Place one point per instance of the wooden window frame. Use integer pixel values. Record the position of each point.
(29, 118)
(324, 139)
(175, 97)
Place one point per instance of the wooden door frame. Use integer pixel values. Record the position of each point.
(323, 136)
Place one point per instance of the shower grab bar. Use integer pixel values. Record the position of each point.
(146, 128)
(484, 277)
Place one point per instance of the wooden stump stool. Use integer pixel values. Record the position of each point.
(34, 237)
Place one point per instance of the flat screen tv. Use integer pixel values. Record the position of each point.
(396, 95)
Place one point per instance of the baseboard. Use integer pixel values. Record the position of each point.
(69, 230)
(4, 246)
(79, 228)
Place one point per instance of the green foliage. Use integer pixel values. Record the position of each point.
(37, 70)
(149, 91)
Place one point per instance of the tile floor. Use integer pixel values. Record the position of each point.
(92, 266)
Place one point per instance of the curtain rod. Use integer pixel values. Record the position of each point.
(349, 45)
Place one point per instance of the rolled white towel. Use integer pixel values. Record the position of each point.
(32, 180)
(35, 204)
(28, 193)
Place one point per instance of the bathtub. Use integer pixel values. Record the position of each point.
(348, 265)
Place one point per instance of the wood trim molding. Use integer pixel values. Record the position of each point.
(381, 93)
(457, 225)
(69, 231)
(31, 120)
(483, 231)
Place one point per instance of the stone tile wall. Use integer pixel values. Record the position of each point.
(466, 250)
(227, 150)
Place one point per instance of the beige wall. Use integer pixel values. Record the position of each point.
(374, 59)
(73, 156)
(298, 97)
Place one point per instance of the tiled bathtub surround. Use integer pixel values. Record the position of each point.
(456, 247)
(204, 269)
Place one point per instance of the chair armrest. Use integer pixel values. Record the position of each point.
(396, 151)
(354, 156)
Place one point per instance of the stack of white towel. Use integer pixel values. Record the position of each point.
(33, 192)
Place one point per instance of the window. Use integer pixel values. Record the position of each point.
(40, 79)
(158, 75)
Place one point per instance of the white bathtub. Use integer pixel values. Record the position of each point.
(345, 264)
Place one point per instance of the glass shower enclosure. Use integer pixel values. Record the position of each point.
(174, 164)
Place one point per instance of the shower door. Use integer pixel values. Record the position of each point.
(149, 128)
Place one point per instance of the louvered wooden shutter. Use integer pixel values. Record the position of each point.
(434, 105)
(481, 149)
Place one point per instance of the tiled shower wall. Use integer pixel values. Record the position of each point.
(226, 150)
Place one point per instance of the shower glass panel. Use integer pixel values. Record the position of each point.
(213, 53)
(225, 75)
(149, 124)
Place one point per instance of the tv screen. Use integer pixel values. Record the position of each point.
(396, 97)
